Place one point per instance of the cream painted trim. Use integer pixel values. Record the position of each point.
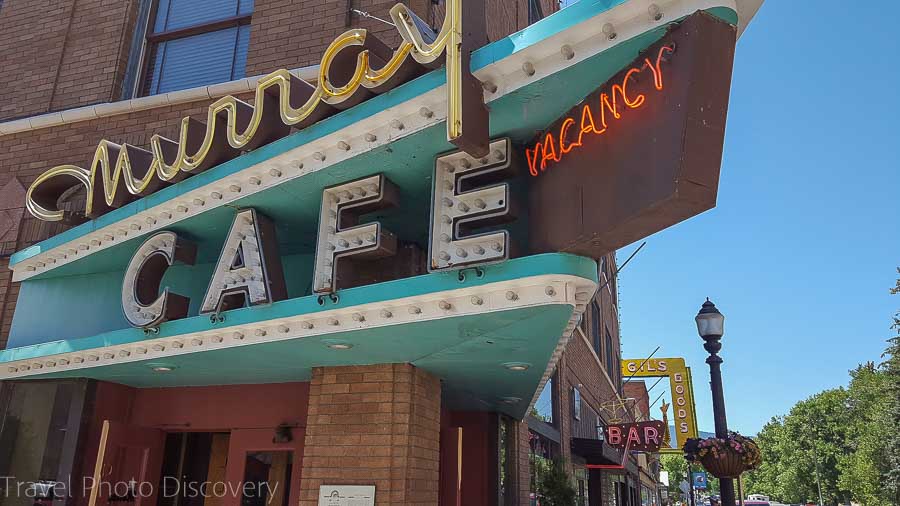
(107, 109)
(533, 291)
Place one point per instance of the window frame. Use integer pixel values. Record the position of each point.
(610, 356)
(554, 403)
(576, 403)
(596, 324)
(535, 11)
(149, 39)
(76, 425)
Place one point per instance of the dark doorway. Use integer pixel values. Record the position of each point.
(193, 472)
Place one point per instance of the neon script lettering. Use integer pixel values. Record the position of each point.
(353, 66)
(552, 149)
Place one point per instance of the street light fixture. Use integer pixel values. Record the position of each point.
(711, 327)
(710, 322)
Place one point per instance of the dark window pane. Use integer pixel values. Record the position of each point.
(610, 356)
(535, 12)
(174, 14)
(245, 7)
(154, 66)
(162, 14)
(239, 68)
(197, 60)
(543, 408)
(542, 451)
(35, 430)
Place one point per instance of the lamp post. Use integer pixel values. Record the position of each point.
(711, 327)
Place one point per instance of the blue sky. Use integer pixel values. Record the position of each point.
(805, 241)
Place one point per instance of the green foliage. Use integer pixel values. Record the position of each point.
(868, 430)
(556, 487)
(849, 438)
(891, 367)
(676, 466)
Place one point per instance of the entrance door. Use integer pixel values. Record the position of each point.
(128, 465)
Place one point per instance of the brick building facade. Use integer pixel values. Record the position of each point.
(79, 71)
(65, 63)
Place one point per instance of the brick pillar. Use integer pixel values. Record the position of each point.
(373, 425)
(523, 456)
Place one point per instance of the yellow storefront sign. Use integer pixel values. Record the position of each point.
(682, 392)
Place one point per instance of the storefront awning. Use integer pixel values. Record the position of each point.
(476, 334)
(596, 451)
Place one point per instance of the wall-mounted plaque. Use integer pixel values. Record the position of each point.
(347, 495)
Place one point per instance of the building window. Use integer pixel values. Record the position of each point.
(535, 11)
(543, 408)
(542, 451)
(193, 43)
(40, 427)
(581, 480)
(610, 357)
(576, 403)
(595, 327)
(506, 489)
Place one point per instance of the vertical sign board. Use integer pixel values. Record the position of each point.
(681, 386)
(639, 154)
(699, 480)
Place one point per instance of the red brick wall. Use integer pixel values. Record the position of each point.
(62, 54)
(95, 53)
(32, 36)
(283, 37)
(280, 37)
(59, 54)
(637, 389)
(9, 291)
(373, 425)
(579, 366)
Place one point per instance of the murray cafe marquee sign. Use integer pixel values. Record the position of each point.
(650, 122)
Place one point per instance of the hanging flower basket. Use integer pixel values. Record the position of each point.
(724, 464)
(726, 457)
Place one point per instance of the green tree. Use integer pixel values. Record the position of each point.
(846, 437)
(765, 479)
(556, 487)
(862, 470)
(676, 466)
(803, 449)
(891, 367)
(678, 471)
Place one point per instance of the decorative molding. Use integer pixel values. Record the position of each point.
(533, 291)
(109, 109)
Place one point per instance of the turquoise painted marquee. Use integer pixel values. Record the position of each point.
(492, 335)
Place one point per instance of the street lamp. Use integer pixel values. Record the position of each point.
(711, 327)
